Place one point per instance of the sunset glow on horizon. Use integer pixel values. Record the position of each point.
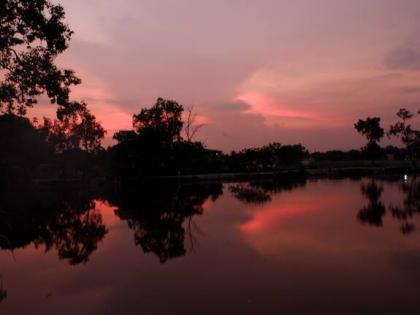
(255, 72)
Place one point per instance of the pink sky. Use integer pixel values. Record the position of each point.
(255, 71)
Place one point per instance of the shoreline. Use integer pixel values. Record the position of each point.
(308, 173)
(318, 170)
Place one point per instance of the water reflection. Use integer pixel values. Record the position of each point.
(3, 291)
(261, 191)
(264, 247)
(161, 215)
(60, 218)
(249, 193)
(65, 218)
(373, 213)
(410, 205)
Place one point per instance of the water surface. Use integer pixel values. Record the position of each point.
(262, 247)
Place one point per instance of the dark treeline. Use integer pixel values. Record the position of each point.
(388, 152)
(402, 129)
(32, 35)
(157, 146)
(372, 130)
(27, 153)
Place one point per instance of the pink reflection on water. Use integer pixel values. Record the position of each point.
(303, 218)
(273, 216)
(108, 213)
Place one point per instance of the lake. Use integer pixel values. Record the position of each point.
(316, 246)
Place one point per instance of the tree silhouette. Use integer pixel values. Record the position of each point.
(33, 34)
(156, 147)
(163, 121)
(372, 130)
(21, 147)
(191, 127)
(124, 136)
(409, 136)
(77, 129)
(267, 158)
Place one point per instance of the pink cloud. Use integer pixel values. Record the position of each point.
(270, 107)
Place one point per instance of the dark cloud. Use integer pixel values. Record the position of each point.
(233, 128)
(410, 89)
(404, 59)
(231, 107)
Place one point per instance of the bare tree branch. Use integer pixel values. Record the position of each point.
(191, 128)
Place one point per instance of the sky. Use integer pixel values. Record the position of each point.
(299, 71)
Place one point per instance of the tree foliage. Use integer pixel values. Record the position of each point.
(78, 129)
(409, 136)
(163, 121)
(371, 129)
(21, 146)
(32, 34)
(156, 145)
(267, 158)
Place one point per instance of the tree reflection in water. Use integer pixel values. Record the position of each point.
(161, 215)
(248, 193)
(261, 191)
(74, 232)
(3, 292)
(63, 218)
(374, 212)
(410, 205)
